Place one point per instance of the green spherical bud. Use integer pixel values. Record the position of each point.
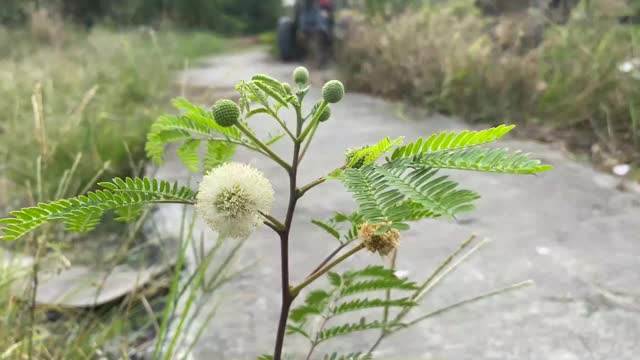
(225, 112)
(287, 88)
(333, 91)
(326, 114)
(301, 76)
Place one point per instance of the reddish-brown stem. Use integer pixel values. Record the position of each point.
(287, 296)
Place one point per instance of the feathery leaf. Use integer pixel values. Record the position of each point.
(446, 141)
(83, 213)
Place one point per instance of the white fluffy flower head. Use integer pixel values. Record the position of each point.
(231, 198)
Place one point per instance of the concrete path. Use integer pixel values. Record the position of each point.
(570, 230)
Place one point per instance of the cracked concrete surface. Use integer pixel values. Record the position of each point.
(570, 230)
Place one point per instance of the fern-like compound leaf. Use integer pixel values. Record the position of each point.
(315, 303)
(216, 154)
(349, 328)
(194, 124)
(188, 153)
(83, 213)
(447, 141)
(378, 285)
(364, 304)
(377, 202)
(370, 153)
(481, 159)
(389, 194)
(352, 356)
(436, 194)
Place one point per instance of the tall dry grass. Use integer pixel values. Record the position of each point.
(101, 92)
(518, 68)
(75, 108)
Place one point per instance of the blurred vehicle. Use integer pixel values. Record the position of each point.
(308, 32)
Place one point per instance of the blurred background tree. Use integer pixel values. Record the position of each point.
(223, 16)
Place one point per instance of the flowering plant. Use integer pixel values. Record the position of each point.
(393, 184)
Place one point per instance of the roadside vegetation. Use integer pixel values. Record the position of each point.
(573, 74)
(76, 104)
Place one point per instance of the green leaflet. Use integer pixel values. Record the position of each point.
(188, 154)
(479, 159)
(352, 356)
(347, 329)
(216, 154)
(193, 125)
(385, 194)
(369, 154)
(83, 213)
(445, 141)
(342, 298)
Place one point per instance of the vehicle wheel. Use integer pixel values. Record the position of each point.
(286, 38)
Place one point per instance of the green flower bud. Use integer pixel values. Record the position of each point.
(333, 91)
(301, 76)
(225, 112)
(287, 88)
(326, 114)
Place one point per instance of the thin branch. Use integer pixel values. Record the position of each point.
(469, 301)
(441, 272)
(328, 258)
(248, 146)
(273, 226)
(296, 289)
(385, 313)
(264, 147)
(308, 142)
(273, 223)
(310, 186)
(283, 125)
(436, 276)
(314, 120)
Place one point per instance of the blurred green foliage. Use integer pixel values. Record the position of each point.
(224, 16)
(100, 92)
(580, 77)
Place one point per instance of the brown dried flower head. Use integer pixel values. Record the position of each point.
(384, 243)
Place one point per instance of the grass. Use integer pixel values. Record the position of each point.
(100, 91)
(519, 68)
(75, 107)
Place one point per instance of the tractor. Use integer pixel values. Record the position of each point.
(308, 33)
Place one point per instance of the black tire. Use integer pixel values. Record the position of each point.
(287, 39)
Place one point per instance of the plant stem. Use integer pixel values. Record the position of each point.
(273, 223)
(471, 300)
(283, 125)
(303, 190)
(385, 314)
(328, 258)
(287, 295)
(311, 349)
(34, 294)
(310, 186)
(296, 289)
(314, 120)
(308, 142)
(264, 147)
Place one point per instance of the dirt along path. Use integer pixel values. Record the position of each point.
(570, 230)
